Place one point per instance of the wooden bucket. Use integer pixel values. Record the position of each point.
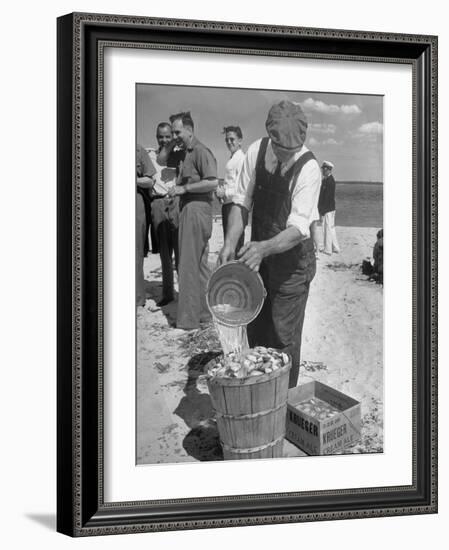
(251, 413)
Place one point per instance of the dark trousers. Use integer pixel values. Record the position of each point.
(141, 228)
(225, 211)
(279, 324)
(165, 214)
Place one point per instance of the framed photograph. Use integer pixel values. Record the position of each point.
(236, 346)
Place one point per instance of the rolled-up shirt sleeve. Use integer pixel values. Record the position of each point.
(245, 186)
(305, 198)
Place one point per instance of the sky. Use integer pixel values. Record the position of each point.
(346, 129)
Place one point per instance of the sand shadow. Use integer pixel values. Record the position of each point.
(203, 443)
(153, 291)
(195, 408)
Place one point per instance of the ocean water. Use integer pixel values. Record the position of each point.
(358, 204)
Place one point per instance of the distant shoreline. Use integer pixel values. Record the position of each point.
(351, 182)
(354, 182)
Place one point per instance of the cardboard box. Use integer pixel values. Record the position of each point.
(322, 437)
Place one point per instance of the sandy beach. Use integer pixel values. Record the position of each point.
(341, 346)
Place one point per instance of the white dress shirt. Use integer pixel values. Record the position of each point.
(305, 195)
(232, 174)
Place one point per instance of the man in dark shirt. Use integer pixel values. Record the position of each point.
(196, 183)
(144, 180)
(326, 208)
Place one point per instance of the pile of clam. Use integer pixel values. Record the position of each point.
(317, 408)
(254, 362)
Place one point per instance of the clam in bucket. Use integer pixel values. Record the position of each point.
(235, 294)
(251, 413)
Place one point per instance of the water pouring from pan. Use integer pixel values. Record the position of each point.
(235, 295)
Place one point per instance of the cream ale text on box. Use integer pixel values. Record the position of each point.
(322, 436)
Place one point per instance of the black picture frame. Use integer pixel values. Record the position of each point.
(81, 510)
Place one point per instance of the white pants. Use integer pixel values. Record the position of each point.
(330, 235)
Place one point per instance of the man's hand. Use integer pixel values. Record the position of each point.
(220, 192)
(226, 255)
(252, 253)
(176, 190)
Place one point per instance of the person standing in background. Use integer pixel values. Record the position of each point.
(326, 209)
(226, 192)
(378, 255)
(144, 180)
(196, 184)
(165, 209)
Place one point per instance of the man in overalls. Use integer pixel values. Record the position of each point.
(280, 182)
